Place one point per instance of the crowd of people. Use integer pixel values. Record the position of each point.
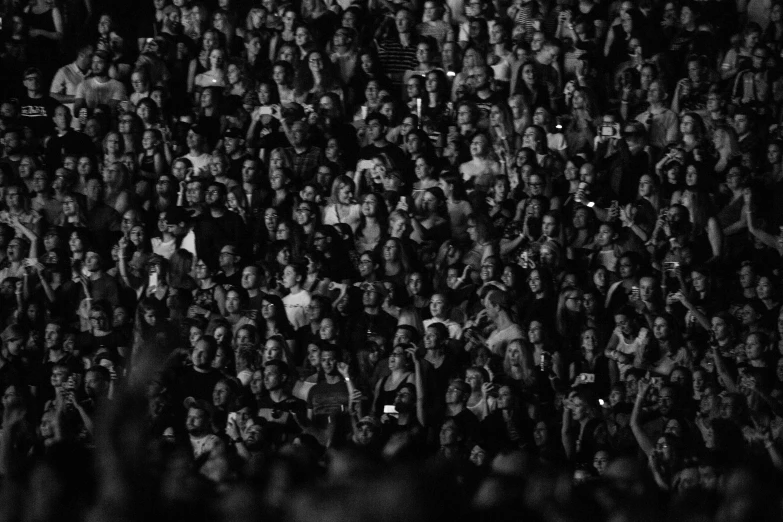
(394, 259)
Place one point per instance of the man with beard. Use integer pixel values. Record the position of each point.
(199, 379)
(457, 395)
(668, 408)
(305, 157)
(367, 436)
(198, 425)
(96, 387)
(100, 89)
(219, 226)
(36, 105)
(250, 439)
(329, 400)
(409, 414)
(373, 320)
(278, 406)
(230, 268)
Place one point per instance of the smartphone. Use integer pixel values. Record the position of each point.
(635, 292)
(154, 279)
(671, 265)
(607, 130)
(586, 378)
(264, 110)
(390, 409)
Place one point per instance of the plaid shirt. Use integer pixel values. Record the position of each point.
(305, 165)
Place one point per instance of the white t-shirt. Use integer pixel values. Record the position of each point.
(94, 92)
(455, 330)
(162, 248)
(200, 163)
(204, 445)
(634, 347)
(499, 339)
(66, 80)
(295, 307)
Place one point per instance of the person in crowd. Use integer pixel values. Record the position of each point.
(247, 261)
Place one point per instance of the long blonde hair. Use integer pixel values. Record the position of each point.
(728, 141)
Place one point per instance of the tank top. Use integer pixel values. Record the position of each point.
(385, 397)
(147, 166)
(205, 298)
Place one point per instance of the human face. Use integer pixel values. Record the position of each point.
(415, 284)
(575, 302)
(196, 421)
(579, 409)
(654, 93)
(645, 186)
(98, 65)
(719, 328)
(601, 461)
(233, 302)
(661, 329)
(764, 288)
(194, 335)
(530, 138)
(328, 363)
(624, 324)
(290, 277)
(666, 401)
(626, 268)
(540, 434)
(534, 282)
(741, 124)
(514, 354)
(201, 357)
(699, 281)
(397, 359)
(221, 394)
(589, 340)
(753, 347)
(327, 330)
(605, 236)
(535, 332)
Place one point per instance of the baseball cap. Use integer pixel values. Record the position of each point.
(232, 133)
(200, 404)
(374, 287)
(369, 419)
(229, 249)
(460, 385)
(177, 215)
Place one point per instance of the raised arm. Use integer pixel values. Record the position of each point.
(641, 437)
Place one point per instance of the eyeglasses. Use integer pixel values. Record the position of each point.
(267, 305)
(303, 209)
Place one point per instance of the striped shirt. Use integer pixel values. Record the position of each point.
(397, 59)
